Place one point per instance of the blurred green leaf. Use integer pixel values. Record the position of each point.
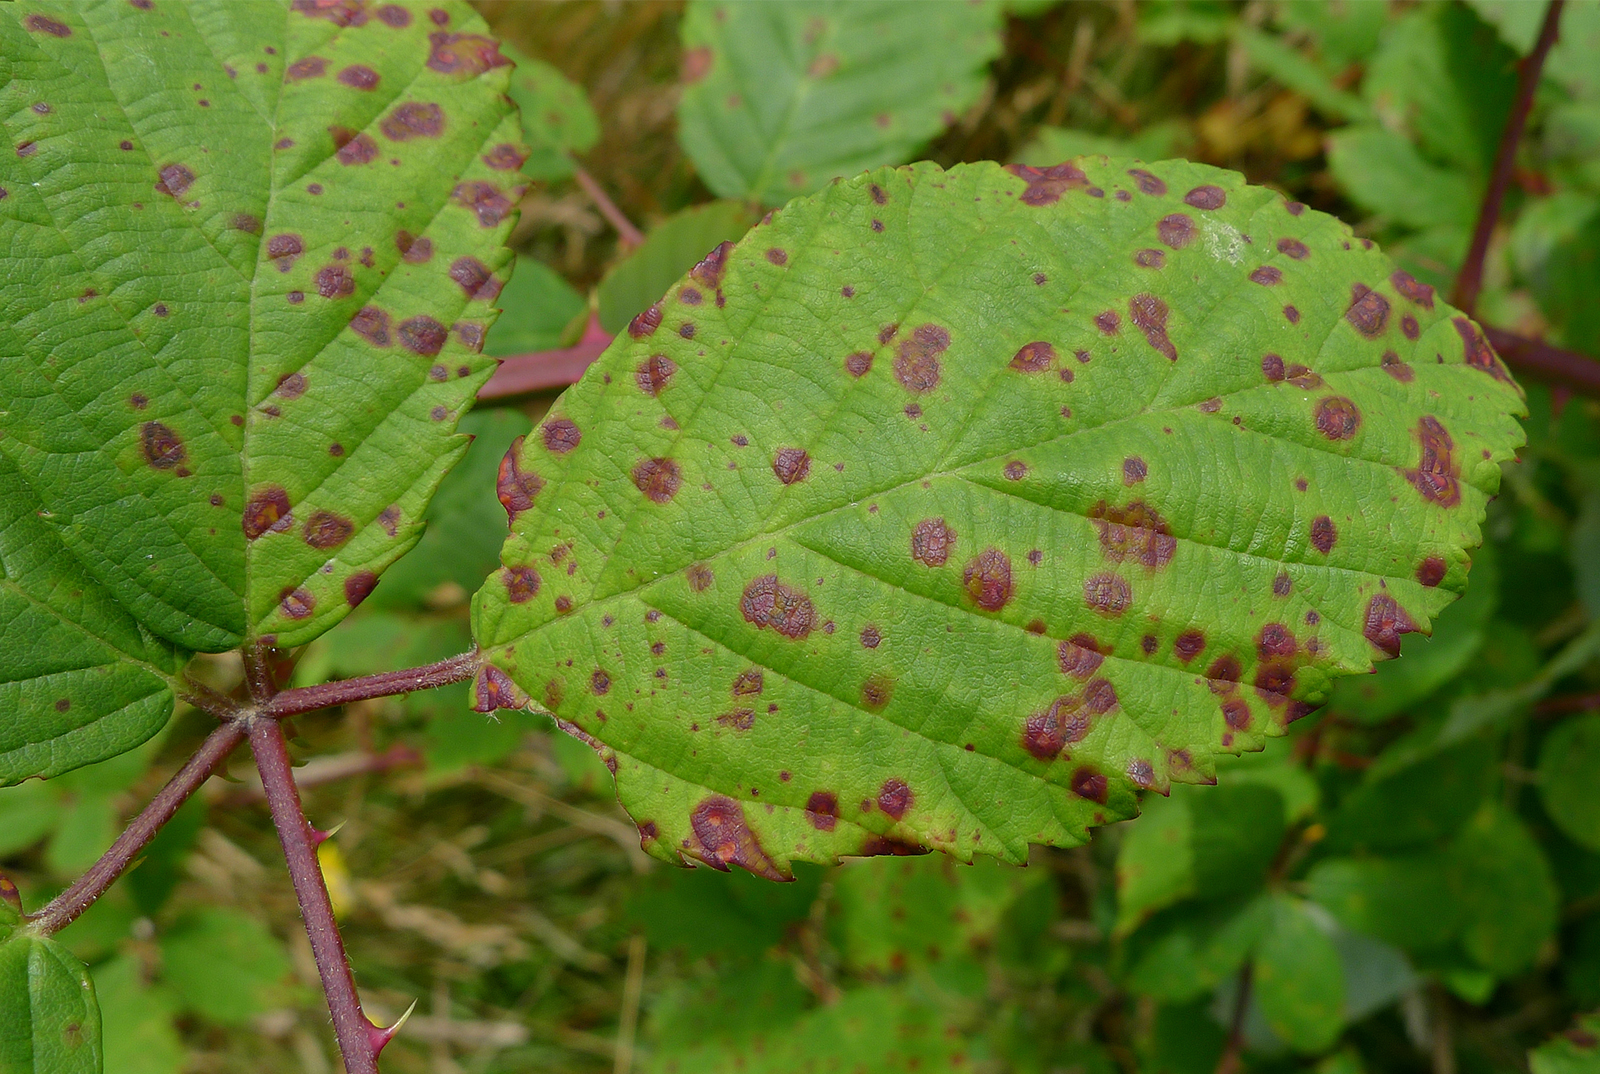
(1417, 805)
(49, 1019)
(539, 310)
(1292, 68)
(670, 249)
(1508, 892)
(1345, 33)
(158, 869)
(1568, 763)
(225, 966)
(557, 119)
(780, 98)
(1577, 1051)
(1412, 901)
(137, 1018)
(1052, 145)
(1299, 980)
(1184, 953)
(1382, 172)
(898, 913)
(708, 913)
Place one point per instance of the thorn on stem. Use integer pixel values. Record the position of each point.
(318, 836)
(379, 1038)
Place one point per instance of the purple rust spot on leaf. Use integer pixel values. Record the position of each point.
(163, 449)
(475, 279)
(413, 120)
(916, 365)
(1206, 197)
(1016, 470)
(599, 683)
(1397, 369)
(870, 636)
(486, 200)
(1046, 185)
(40, 24)
(1267, 276)
(1176, 230)
(324, 529)
(359, 76)
(1080, 657)
(1148, 183)
(310, 67)
(297, 603)
(858, 364)
(726, 839)
(1136, 532)
(372, 324)
(1437, 475)
(464, 55)
(709, 269)
(1149, 315)
(1100, 696)
(695, 64)
(659, 479)
(1087, 783)
(1151, 259)
(791, 464)
(1410, 328)
(654, 373)
(1188, 645)
(1479, 355)
(335, 281)
(266, 510)
(767, 602)
(1291, 314)
(422, 335)
(1035, 357)
(394, 15)
(1337, 418)
(1385, 622)
(1430, 572)
(894, 798)
(175, 180)
(988, 579)
(1324, 534)
(822, 810)
(1224, 673)
(1236, 714)
(413, 250)
(645, 324)
(700, 577)
(504, 157)
(931, 541)
(1413, 289)
(1134, 470)
(561, 435)
(1107, 593)
(1368, 311)
(1282, 585)
(876, 692)
(1293, 248)
(359, 586)
(749, 683)
(1275, 639)
(516, 487)
(522, 584)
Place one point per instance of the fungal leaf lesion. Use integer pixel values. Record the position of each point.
(865, 579)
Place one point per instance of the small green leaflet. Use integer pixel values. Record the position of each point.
(557, 118)
(249, 252)
(780, 98)
(952, 509)
(49, 1020)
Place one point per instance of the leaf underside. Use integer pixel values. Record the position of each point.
(248, 253)
(780, 98)
(950, 509)
(49, 1020)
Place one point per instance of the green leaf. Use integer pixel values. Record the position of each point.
(1567, 764)
(1188, 951)
(1290, 67)
(733, 917)
(225, 966)
(1577, 1051)
(865, 555)
(137, 1017)
(538, 308)
(250, 254)
(1383, 172)
(49, 1020)
(1412, 901)
(1420, 804)
(1204, 843)
(1508, 892)
(780, 98)
(557, 118)
(877, 1029)
(82, 681)
(1299, 982)
(671, 249)
(1051, 145)
(905, 912)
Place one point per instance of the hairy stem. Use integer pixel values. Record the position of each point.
(350, 1025)
(385, 684)
(630, 235)
(1470, 280)
(65, 908)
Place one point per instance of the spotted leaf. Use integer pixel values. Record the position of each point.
(52, 1020)
(964, 505)
(250, 252)
(780, 98)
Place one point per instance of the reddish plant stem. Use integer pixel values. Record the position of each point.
(1541, 360)
(350, 1025)
(1470, 280)
(541, 371)
(630, 235)
(386, 684)
(1561, 706)
(1229, 1061)
(65, 908)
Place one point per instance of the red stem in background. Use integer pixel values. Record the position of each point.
(385, 684)
(350, 1025)
(544, 370)
(65, 908)
(630, 235)
(1542, 361)
(1470, 280)
(1228, 1063)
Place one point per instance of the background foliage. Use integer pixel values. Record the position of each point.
(1410, 881)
